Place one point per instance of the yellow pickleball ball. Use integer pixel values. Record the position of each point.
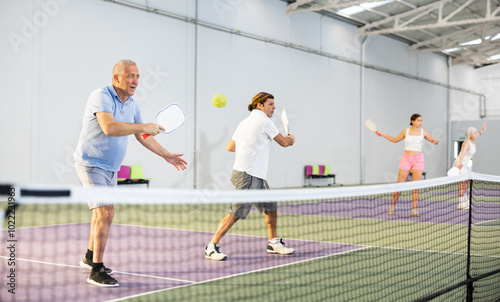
(219, 100)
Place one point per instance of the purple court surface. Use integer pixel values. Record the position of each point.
(144, 260)
(151, 259)
(430, 211)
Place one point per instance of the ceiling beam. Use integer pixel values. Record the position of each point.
(409, 20)
(477, 59)
(467, 19)
(454, 39)
(302, 6)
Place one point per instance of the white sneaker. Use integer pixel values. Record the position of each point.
(279, 248)
(212, 251)
(463, 203)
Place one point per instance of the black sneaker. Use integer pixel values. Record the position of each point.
(88, 265)
(101, 278)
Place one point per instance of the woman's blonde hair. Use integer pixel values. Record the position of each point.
(469, 132)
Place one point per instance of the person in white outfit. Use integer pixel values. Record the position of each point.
(462, 163)
(251, 143)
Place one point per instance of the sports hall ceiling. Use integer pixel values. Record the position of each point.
(466, 30)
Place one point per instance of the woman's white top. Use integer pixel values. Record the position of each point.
(467, 157)
(414, 142)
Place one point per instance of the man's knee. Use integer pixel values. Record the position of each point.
(231, 218)
(106, 213)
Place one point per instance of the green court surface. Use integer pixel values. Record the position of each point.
(399, 261)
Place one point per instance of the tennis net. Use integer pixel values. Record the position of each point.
(347, 246)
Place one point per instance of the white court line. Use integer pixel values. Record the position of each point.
(232, 234)
(174, 229)
(433, 252)
(244, 235)
(51, 225)
(361, 247)
(487, 226)
(490, 226)
(382, 219)
(79, 267)
(234, 275)
(302, 240)
(191, 283)
(43, 262)
(288, 264)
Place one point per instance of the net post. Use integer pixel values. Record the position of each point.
(6, 190)
(470, 284)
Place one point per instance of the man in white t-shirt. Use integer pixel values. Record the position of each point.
(251, 142)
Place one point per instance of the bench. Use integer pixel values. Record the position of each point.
(131, 175)
(318, 171)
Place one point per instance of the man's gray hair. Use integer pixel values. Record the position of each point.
(120, 66)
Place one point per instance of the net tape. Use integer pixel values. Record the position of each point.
(348, 250)
(72, 194)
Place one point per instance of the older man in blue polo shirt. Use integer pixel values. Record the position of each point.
(111, 115)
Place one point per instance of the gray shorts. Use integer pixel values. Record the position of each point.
(244, 181)
(95, 176)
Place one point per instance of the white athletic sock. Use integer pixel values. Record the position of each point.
(274, 240)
